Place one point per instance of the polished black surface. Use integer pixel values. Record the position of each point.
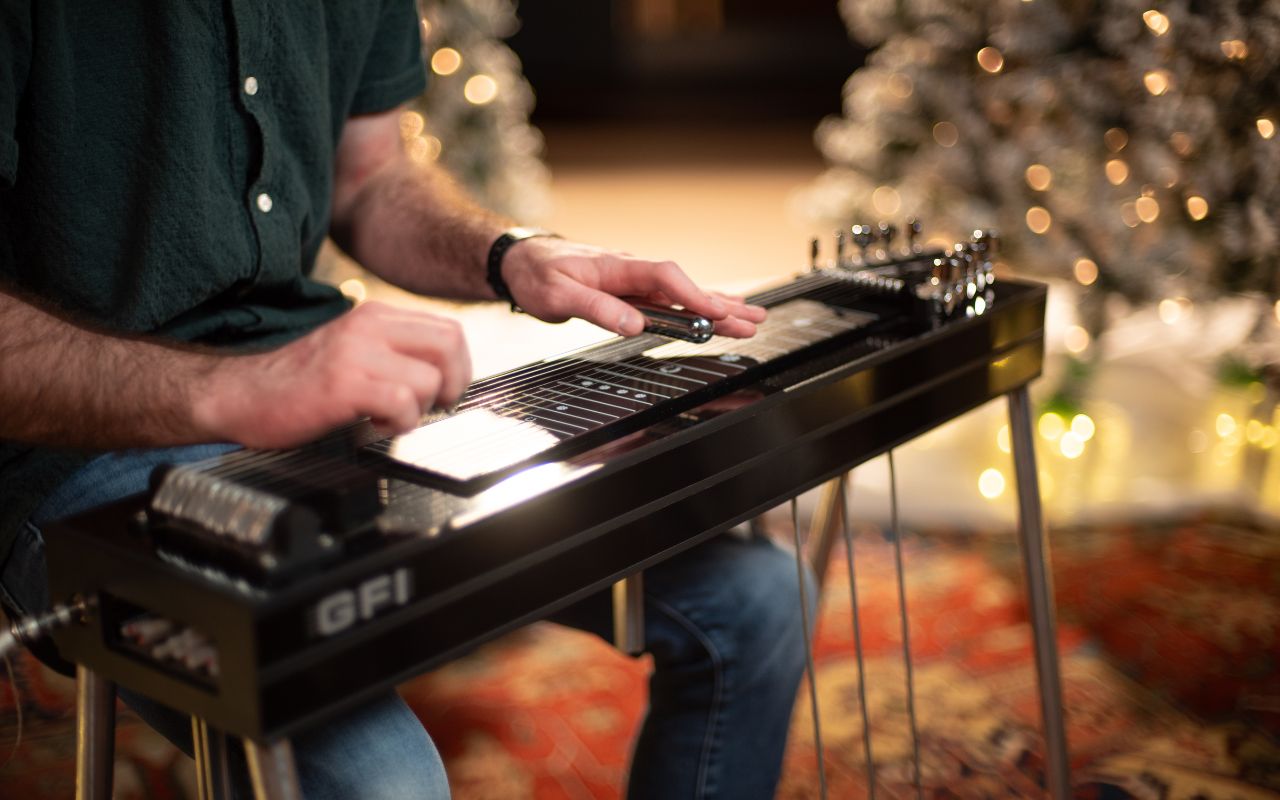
(482, 561)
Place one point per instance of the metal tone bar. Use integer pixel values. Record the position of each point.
(95, 735)
(843, 508)
(272, 770)
(628, 614)
(824, 528)
(896, 535)
(808, 651)
(1034, 544)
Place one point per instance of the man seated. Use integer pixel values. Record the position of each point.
(168, 172)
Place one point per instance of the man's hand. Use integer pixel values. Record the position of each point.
(554, 279)
(377, 361)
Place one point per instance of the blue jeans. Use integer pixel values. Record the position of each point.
(722, 621)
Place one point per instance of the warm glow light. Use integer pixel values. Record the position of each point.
(1235, 49)
(1129, 214)
(886, 200)
(990, 59)
(1076, 339)
(1051, 425)
(1157, 81)
(1253, 431)
(1148, 209)
(1002, 439)
(1086, 271)
(1071, 445)
(480, 89)
(1278, 312)
(1270, 437)
(411, 124)
(900, 85)
(1197, 207)
(1038, 219)
(1117, 171)
(1181, 144)
(1157, 22)
(991, 483)
(1039, 177)
(1115, 139)
(423, 149)
(1082, 425)
(1172, 309)
(445, 61)
(1266, 127)
(1225, 425)
(946, 134)
(354, 288)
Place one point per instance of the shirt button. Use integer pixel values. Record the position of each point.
(264, 202)
(251, 86)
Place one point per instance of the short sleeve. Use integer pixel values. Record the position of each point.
(393, 70)
(15, 61)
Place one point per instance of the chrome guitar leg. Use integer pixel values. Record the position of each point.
(95, 735)
(843, 508)
(1035, 563)
(272, 771)
(209, 747)
(628, 614)
(895, 535)
(808, 649)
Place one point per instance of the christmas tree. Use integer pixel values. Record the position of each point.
(1128, 146)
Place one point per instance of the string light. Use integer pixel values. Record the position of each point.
(1129, 214)
(1197, 441)
(1235, 50)
(1071, 445)
(946, 134)
(1115, 139)
(1082, 425)
(1173, 309)
(886, 200)
(1181, 143)
(991, 483)
(411, 124)
(445, 61)
(424, 149)
(1051, 425)
(480, 89)
(1253, 431)
(1225, 425)
(1266, 127)
(1148, 209)
(354, 288)
(1086, 271)
(1039, 177)
(1002, 439)
(991, 59)
(900, 85)
(1076, 339)
(1158, 81)
(1197, 207)
(1117, 171)
(1157, 22)
(1039, 219)
(1278, 312)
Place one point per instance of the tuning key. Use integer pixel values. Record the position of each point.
(814, 249)
(914, 229)
(862, 236)
(887, 233)
(839, 248)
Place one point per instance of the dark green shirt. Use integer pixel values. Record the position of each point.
(166, 167)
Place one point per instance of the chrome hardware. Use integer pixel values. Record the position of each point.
(814, 248)
(863, 236)
(887, 231)
(839, 248)
(913, 230)
(674, 323)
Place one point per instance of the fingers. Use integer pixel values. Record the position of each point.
(419, 350)
(599, 308)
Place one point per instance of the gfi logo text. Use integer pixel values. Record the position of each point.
(343, 609)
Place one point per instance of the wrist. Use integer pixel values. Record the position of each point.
(497, 258)
(212, 393)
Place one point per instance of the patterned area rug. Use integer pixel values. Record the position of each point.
(1171, 641)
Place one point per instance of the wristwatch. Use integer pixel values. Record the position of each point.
(498, 251)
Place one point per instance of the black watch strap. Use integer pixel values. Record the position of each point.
(498, 251)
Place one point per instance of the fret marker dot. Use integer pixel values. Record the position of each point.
(622, 391)
(588, 383)
(730, 357)
(602, 387)
(562, 408)
(641, 395)
(670, 369)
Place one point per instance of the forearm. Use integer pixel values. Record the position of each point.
(412, 226)
(67, 386)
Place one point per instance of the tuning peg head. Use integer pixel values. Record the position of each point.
(914, 229)
(987, 242)
(814, 249)
(862, 236)
(839, 248)
(887, 231)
